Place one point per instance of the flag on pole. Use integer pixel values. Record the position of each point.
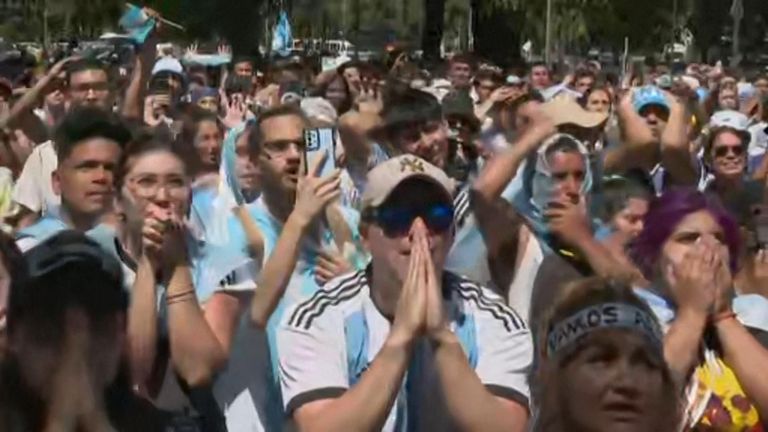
(282, 38)
(136, 23)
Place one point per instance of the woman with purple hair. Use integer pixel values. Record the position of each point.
(689, 250)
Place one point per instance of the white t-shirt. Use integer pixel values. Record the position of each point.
(34, 187)
(327, 342)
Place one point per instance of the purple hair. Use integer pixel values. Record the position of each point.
(666, 213)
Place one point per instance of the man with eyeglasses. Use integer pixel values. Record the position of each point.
(289, 236)
(89, 143)
(86, 84)
(404, 344)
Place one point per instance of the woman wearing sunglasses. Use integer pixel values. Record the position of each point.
(725, 154)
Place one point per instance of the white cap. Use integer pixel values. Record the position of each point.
(168, 64)
(385, 177)
(730, 119)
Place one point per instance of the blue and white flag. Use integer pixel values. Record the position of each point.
(229, 194)
(282, 38)
(136, 23)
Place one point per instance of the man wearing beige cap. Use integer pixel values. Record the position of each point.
(404, 345)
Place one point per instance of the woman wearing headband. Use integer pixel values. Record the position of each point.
(688, 250)
(601, 364)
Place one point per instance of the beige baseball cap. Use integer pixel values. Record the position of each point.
(565, 110)
(385, 177)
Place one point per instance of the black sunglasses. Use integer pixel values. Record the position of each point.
(397, 221)
(723, 151)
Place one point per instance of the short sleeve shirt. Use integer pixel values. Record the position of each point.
(34, 189)
(327, 342)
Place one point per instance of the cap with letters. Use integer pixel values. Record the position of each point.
(385, 177)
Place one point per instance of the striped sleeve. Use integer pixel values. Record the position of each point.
(312, 348)
(504, 343)
(461, 208)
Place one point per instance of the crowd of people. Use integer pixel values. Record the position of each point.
(478, 249)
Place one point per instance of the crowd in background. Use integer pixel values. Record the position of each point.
(476, 249)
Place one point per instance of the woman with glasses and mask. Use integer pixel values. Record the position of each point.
(688, 250)
(600, 364)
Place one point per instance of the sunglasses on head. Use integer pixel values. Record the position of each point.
(724, 150)
(397, 221)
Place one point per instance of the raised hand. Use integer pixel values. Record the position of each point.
(164, 237)
(505, 93)
(568, 220)
(234, 112)
(58, 68)
(224, 50)
(314, 193)
(191, 50)
(369, 99)
(152, 112)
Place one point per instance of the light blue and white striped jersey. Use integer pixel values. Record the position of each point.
(327, 342)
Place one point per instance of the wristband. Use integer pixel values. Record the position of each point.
(722, 317)
(175, 297)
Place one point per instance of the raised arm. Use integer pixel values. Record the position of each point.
(570, 224)
(312, 195)
(31, 98)
(133, 103)
(638, 148)
(502, 168)
(675, 145)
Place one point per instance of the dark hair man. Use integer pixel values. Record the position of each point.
(89, 143)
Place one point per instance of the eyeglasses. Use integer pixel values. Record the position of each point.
(397, 221)
(149, 186)
(723, 151)
(281, 146)
(86, 87)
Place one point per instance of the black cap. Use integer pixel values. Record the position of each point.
(67, 270)
(459, 105)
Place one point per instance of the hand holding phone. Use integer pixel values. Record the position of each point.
(317, 142)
